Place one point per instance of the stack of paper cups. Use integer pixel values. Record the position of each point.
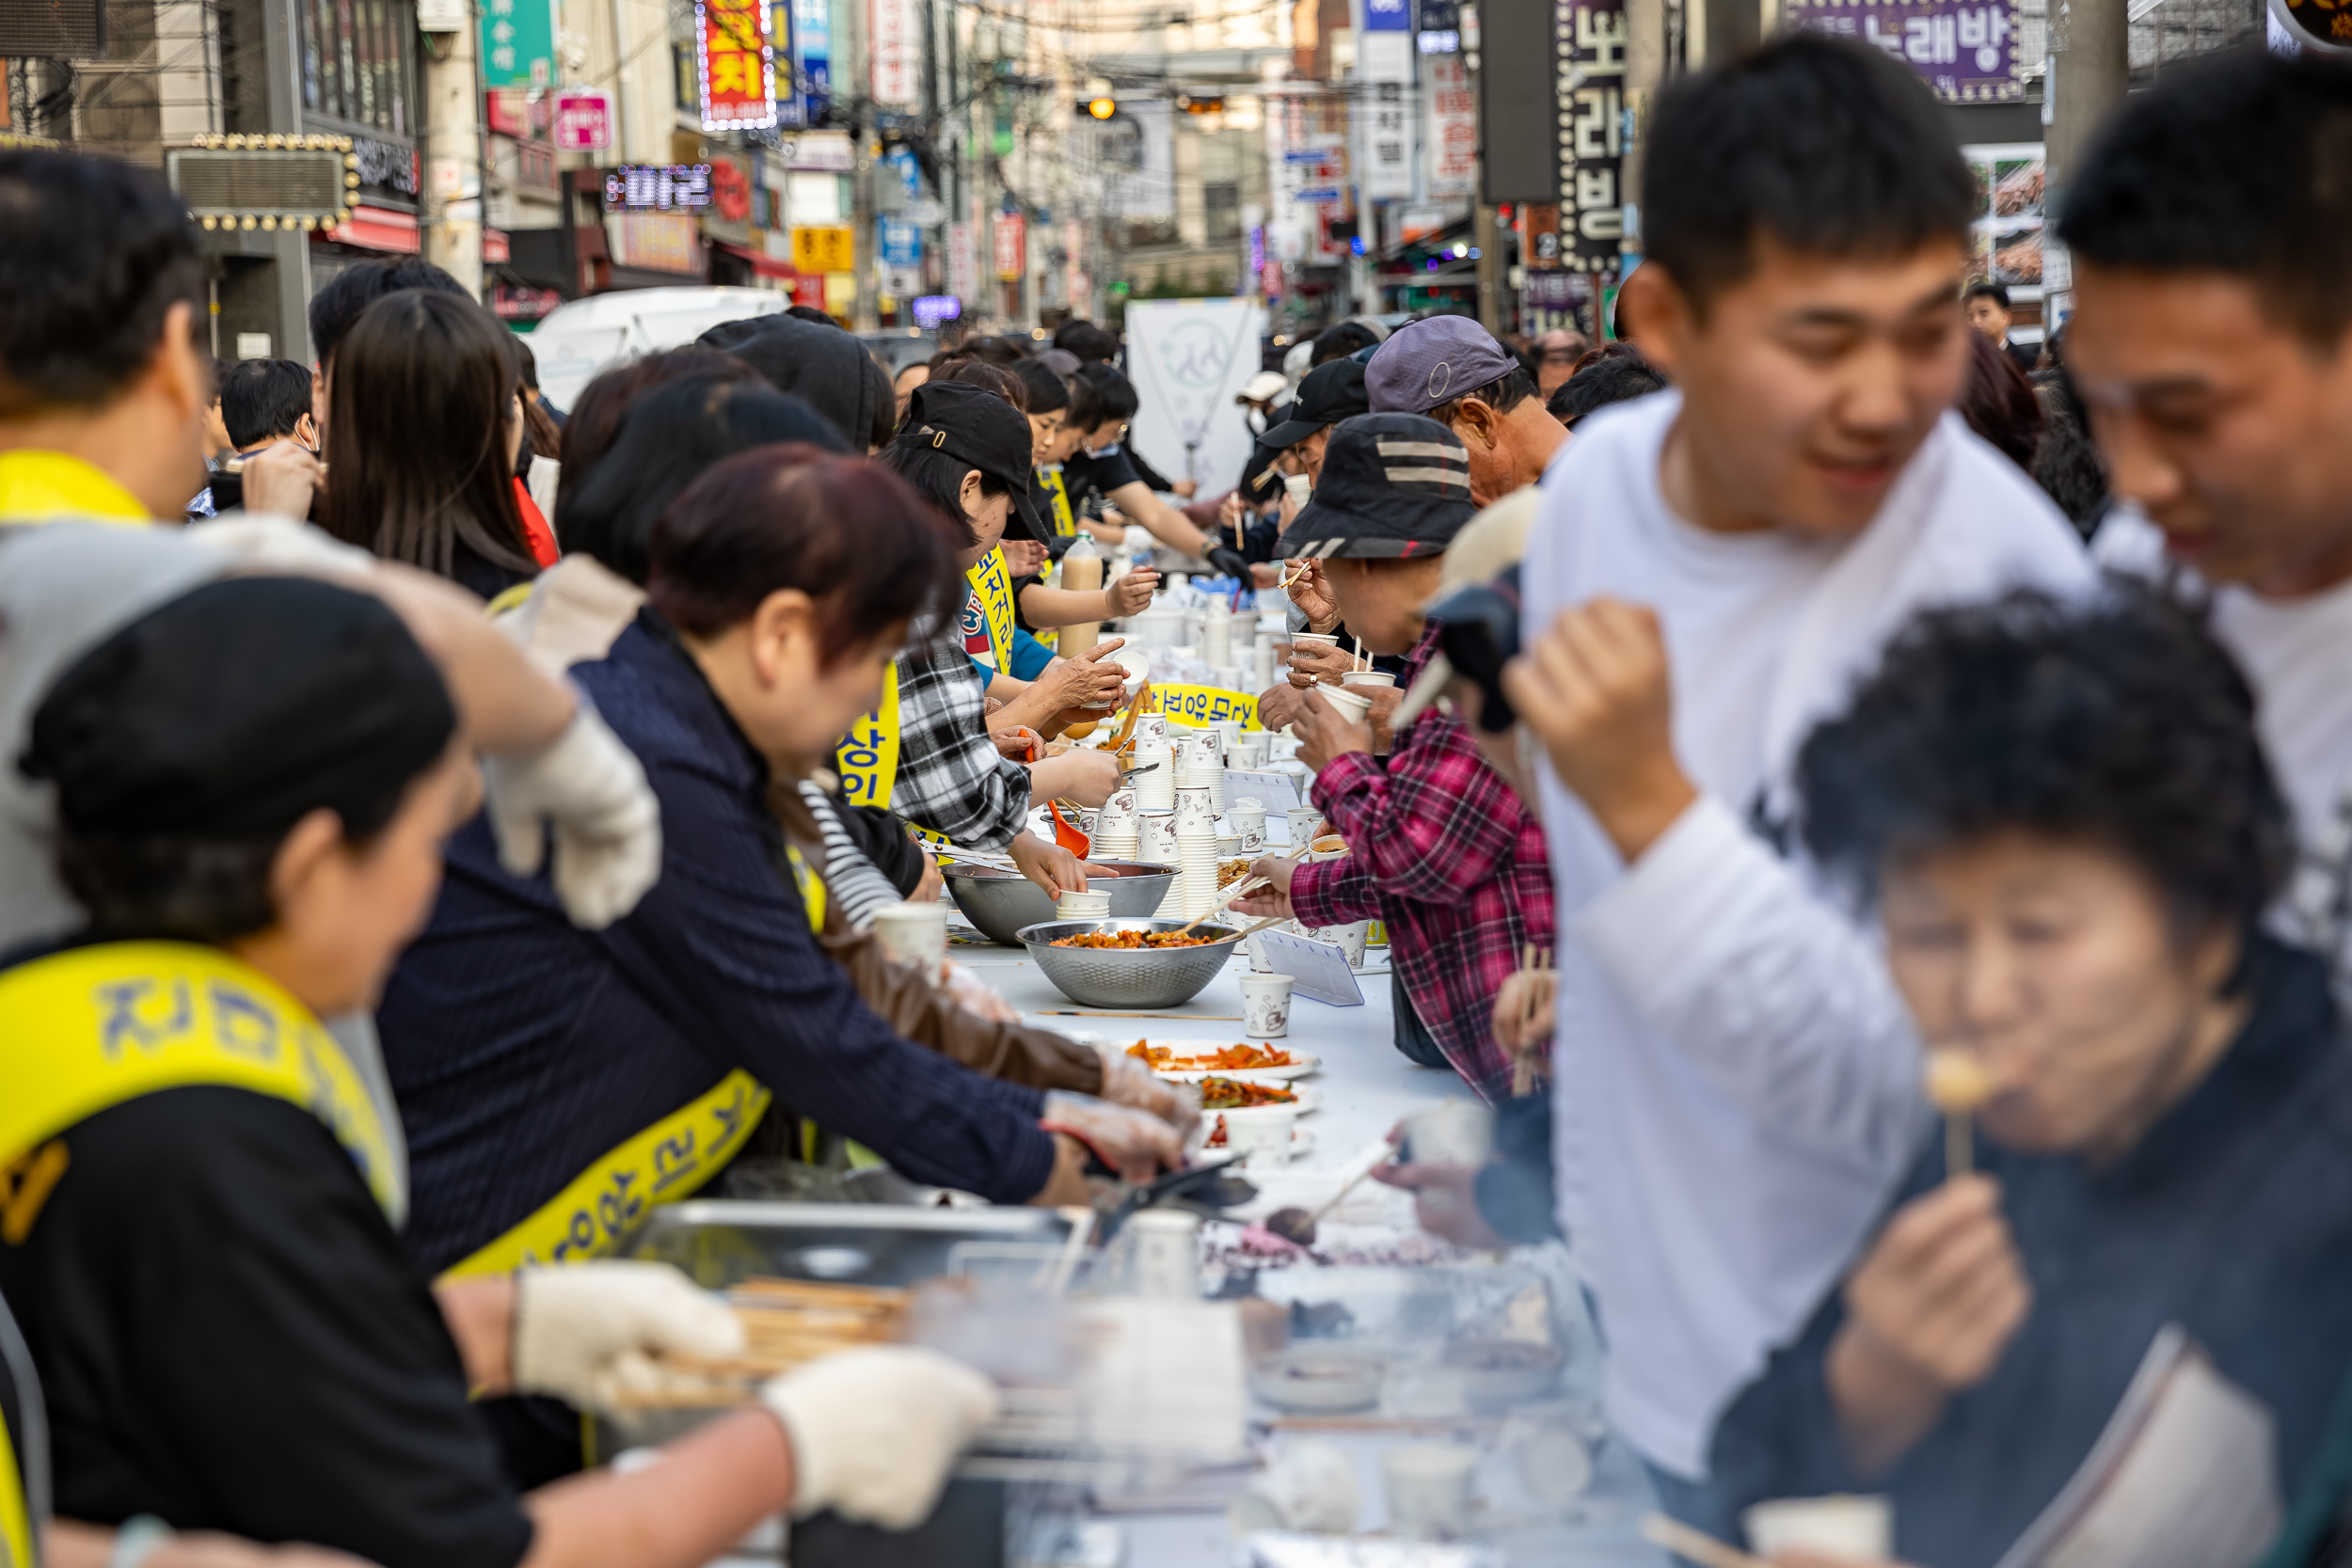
(1151, 729)
(1197, 855)
(1156, 789)
(1216, 638)
(1262, 662)
(1158, 846)
(1227, 730)
(1114, 831)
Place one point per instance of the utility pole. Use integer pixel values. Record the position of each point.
(863, 138)
(453, 158)
(1486, 244)
(2089, 70)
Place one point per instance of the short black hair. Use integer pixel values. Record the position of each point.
(1614, 373)
(93, 255)
(1085, 404)
(2238, 163)
(1092, 343)
(1997, 292)
(346, 296)
(1338, 342)
(1823, 143)
(263, 398)
(2116, 720)
(527, 364)
(1047, 391)
(1115, 395)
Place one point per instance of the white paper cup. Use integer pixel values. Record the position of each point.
(912, 934)
(1156, 789)
(1303, 821)
(1349, 936)
(1325, 639)
(1261, 1133)
(1330, 847)
(1307, 1486)
(1195, 808)
(1083, 906)
(1265, 1006)
(1458, 1133)
(1367, 677)
(1248, 828)
(1841, 1526)
(1428, 1486)
(1166, 1254)
(1151, 730)
(1155, 831)
(1352, 705)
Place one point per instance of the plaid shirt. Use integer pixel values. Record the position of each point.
(1443, 851)
(951, 779)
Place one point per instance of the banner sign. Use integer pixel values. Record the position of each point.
(736, 65)
(1965, 52)
(1590, 44)
(518, 43)
(1197, 706)
(583, 119)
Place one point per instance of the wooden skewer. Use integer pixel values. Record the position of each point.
(1358, 661)
(1697, 1545)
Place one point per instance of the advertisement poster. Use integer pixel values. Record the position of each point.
(736, 63)
(1009, 246)
(1451, 142)
(1589, 41)
(583, 119)
(895, 48)
(1964, 50)
(1189, 359)
(2005, 235)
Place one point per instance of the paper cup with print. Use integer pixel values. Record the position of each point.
(1155, 831)
(1261, 1133)
(1166, 1244)
(1265, 1006)
(1350, 937)
(912, 934)
(1248, 819)
(1303, 821)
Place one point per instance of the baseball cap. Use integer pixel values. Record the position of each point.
(1262, 386)
(1425, 363)
(1331, 392)
(974, 425)
(1392, 485)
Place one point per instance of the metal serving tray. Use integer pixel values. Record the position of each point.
(721, 1242)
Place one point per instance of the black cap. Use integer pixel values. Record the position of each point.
(1330, 393)
(974, 425)
(1393, 484)
(233, 711)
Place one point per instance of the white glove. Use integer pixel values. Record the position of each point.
(575, 1322)
(873, 1431)
(608, 822)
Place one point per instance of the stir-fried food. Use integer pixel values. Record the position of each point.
(1239, 1057)
(1132, 941)
(1231, 1094)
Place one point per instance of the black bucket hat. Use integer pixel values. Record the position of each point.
(1393, 484)
(974, 425)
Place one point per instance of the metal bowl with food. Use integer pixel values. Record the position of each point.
(1000, 902)
(1128, 976)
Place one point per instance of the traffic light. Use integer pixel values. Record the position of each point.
(1100, 108)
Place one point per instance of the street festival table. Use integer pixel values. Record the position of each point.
(1366, 1086)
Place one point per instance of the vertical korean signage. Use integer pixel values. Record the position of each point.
(518, 43)
(1589, 39)
(1451, 141)
(1964, 50)
(1384, 63)
(895, 48)
(812, 57)
(737, 64)
(1010, 247)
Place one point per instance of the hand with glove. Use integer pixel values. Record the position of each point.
(1136, 1144)
(1128, 1082)
(591, 789)
(1227, 561)
(874, 1431)
(576, 1322)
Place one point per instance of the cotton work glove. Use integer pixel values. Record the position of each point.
(574, 1323)
(591, 789)
(874, 1430)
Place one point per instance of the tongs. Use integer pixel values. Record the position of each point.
(1212, 1185)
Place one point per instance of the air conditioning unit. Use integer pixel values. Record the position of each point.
(52, 29)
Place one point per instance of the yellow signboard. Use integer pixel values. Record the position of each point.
(828, 249)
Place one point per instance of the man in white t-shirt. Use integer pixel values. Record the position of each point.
(1714, 567)
(2212, 341)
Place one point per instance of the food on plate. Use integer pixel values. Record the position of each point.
(1957, 1081)
(1231, 1094)
(1239, 1057)
(1135, 940)
(1230, 872)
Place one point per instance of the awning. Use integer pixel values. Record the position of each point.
(378, 229)
(762, 263)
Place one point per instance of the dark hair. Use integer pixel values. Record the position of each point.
(939, 478)
(2067, 464)
(1338, 342)
(2118, 721)
(1997, 292)
(93, 255)
(1115, 392)
(2233, 163)
(1007, 350)
(853, 536)
(1826, 145)
(1613, 373)
(672, 437)
(415, 436)
(1502, 394)
(345, 297)
(1085, 404)
(1047, 391)
(595, 418)
(262, 398)
(1997, 402)
(1088, 342)
(810, 314)
(526, 363)
(980, 373)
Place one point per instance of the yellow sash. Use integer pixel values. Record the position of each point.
(16, 1519)
(989, 580)
(868, 758)
(1050, 478)
(666, 1162)
(37, 485)
(86, 1030)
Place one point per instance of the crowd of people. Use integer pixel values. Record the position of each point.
(466, 831)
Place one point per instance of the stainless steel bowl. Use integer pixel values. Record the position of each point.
(1122, 977)
(1002, 902)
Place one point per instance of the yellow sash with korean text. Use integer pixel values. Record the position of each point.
(866, 761)
(94, 1027)
(1049, 478)
(666, 1162)
(993, 589)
